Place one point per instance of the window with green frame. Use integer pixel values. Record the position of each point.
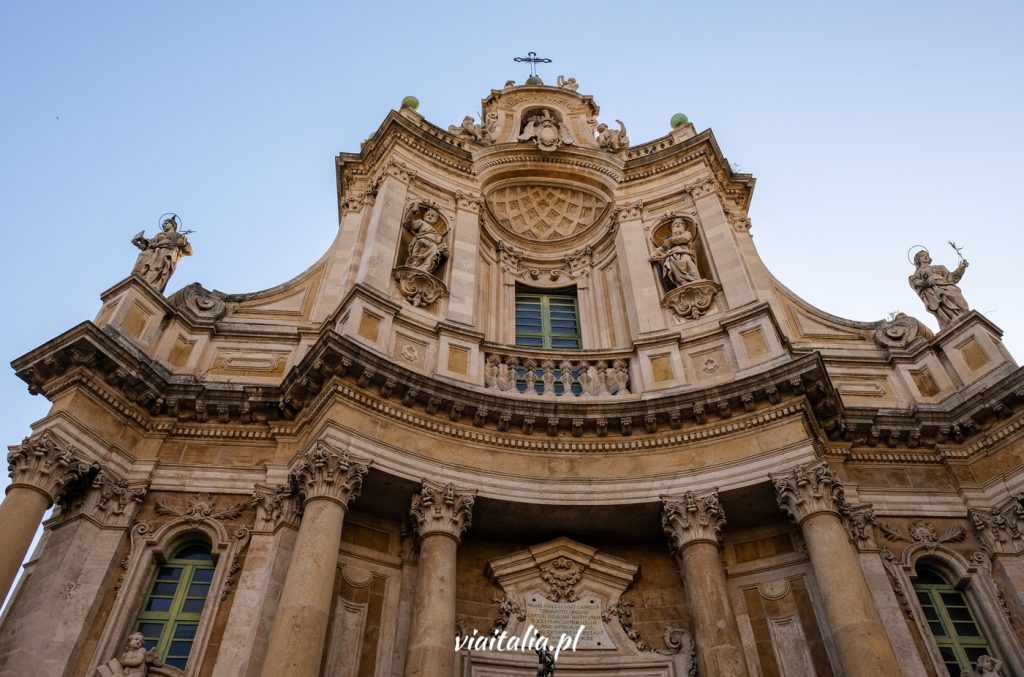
(174, 605)
(547, 320)
(951, 620)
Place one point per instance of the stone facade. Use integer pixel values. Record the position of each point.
(718, 479)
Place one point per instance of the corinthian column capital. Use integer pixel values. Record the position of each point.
(45, 464)
(808, 490)
(441, 509)
(692, 518)
(324, 472)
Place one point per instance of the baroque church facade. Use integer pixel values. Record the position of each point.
(540, 384)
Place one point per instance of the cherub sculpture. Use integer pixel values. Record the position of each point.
(613, 140)
(159, 256)
(482, 134)
(987, 666)
(936, 286)
(568, 83)
(134, 662)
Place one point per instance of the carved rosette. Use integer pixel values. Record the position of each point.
(441, 510)
(419, 288)
(325, 472)
(692, 519)
(46, 464)
(691, 300)
(808, 490)
(275, 505)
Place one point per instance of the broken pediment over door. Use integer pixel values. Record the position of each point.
(565, 588)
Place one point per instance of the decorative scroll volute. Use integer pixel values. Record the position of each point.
(692, 518)
(328, 473)
(46, 464)
(441, 510)
(808, 490)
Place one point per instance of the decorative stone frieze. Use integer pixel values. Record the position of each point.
(507, 609)
(691, 519)
(925, 533)
(46, 464)
(275, 505)
(441, 509)
(808, 490)
(198, 508)
(622, 611)
(328, 473)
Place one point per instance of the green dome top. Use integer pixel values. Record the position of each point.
(678, 120)
(534, 80)
(410, 102)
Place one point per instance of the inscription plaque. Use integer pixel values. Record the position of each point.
(553, 619)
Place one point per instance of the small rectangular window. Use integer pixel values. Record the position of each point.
(547, 320)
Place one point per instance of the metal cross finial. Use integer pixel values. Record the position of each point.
(532, 59)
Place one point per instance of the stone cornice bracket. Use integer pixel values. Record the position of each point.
(324, 472)
(46, 464)
(441, 509)
(692, 518)
(808, 490)
(275, 505)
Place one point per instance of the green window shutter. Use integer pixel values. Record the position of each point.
(174, 605)
(951, 621)
(547, 321)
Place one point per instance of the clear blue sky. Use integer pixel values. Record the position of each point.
(870, 127)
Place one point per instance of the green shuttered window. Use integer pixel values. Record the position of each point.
(171, 612)
(951, 620)
(547, 320)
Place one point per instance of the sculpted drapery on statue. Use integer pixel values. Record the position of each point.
(676, 257)
(159, 256)
(428, 246)
(134, 662)
(936, 286)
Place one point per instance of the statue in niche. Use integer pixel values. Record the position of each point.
(611, 139)
(427, 247)
(545, 662)
(676, 257)
(546, 130)
(134, 662)
(568, 83)
(482, 134)
(936, 286)
(159, 256)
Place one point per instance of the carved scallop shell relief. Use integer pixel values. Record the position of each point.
(545, 212)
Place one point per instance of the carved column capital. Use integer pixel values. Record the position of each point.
(440, 509)
(692, 518)
(808, 490)
(275, 505)
(46, 464)
(324, 472)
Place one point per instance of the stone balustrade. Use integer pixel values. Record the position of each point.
(557, 374)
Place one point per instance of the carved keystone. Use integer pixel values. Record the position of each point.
(325, 472)
(808, 490)
(692, 518)
(441, 509)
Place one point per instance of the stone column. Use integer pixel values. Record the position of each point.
(40, 468)
(326, 479)
(439, 516)
(693, 525)
(812, 496)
